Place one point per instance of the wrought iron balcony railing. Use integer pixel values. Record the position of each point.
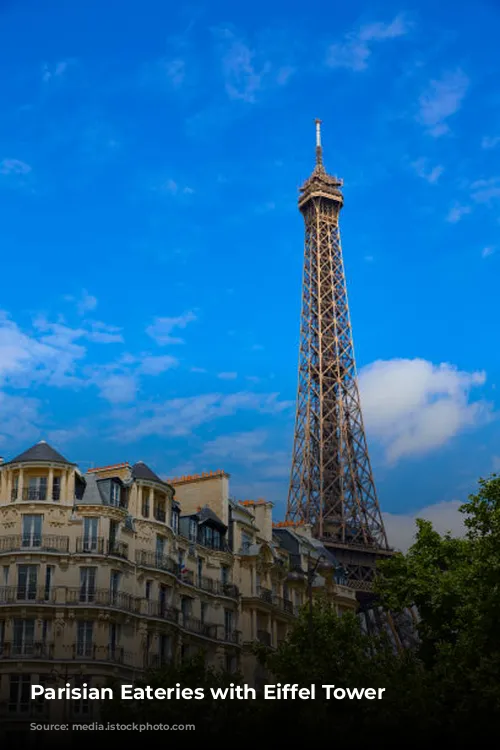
(267, 596)
(33, 542)
(26, 593)
(115, 654)
(88, 596)
(101, 546)
(148, 559)
(19, 649)
(35, 495)
(160, 515)
(162, 610)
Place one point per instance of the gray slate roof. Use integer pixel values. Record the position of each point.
(141, 471)
(207, 514)
(42, 451)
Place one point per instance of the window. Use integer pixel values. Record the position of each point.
(175, 521)
(200, 569)
(148, 589)
(203, 612)
(23, 642)
(230, 663)
(2, 635)
(208, 536)
(90, 530)
(186, 607)
(32, 531)
(46, 626)
(20, 693)
(27, 578)
(115, 493)
(160, 550)
(49, 573)
(163, 599)
(228, 623)
(114, 585)
(145, 506)
(193, 530)
(81, 707)
(113, 533)
(56, 489)
(217, 540)
(87, 584)
(180, 556)
(246, 541)
(114, 638)
(37, 489)
(6, 569)
(15, 489)
(84, 640)
(224, 574)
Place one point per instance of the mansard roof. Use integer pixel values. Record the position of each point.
(141, 471)
(41, 452)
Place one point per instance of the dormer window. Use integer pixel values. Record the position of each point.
(115, 493)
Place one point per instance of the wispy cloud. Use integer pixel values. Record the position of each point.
(355, 49)
(14, 167)
(426, 172)
(173, 188)
(180, 416)
(161, 328)
(487, 251)
(441, 100)
(248, 71)
(56, 70)
(486, 191)
(227, 375)
(489, 142)
(456, 213)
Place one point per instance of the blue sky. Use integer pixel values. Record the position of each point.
(150, 159)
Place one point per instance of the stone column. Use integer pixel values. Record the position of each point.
(20, 485)
(254, 624)
(151, 502)
(64, 485)
(71, 486)
(9, 486)
(50, 484)
(139, 500)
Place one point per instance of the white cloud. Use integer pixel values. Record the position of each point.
(456, 213)
(355, 49)
(175, 71)
(489, 142)
(414, 406)
(14, 166)
(486, 191)
(401, 528)
(157, 365)
(423, 170)
(442, 99)
(180, 416)
(249, 449)
(487, 251)
(161, 328)
(118, 389)
(20, 418)
(55, 71)
(227, 375)
(247, 72)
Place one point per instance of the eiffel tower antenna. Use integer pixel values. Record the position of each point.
(331, 482)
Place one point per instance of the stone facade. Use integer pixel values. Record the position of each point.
(113, 572)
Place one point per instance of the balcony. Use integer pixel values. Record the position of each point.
(207, 630)
(147, 559)
(29, 594)
(267, 596)
(157, 661)
(25, 543)
(87, 597)
(160, 515)
(163, 610)
(26, 650)
(217, 587)
(35, 495)
(101, 546)
(83, 650)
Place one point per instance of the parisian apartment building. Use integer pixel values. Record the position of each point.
(112, 572)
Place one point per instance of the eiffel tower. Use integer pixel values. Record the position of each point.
(331, 483)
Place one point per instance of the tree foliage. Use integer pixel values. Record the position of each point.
(449, 686)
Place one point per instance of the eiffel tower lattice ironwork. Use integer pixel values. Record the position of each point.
(331, 484)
